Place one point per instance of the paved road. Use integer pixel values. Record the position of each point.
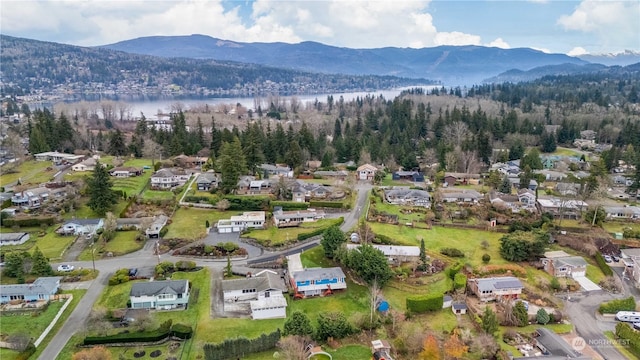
(146, 258)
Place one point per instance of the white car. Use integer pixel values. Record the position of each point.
(65, 268)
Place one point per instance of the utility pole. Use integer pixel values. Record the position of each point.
(93, 259)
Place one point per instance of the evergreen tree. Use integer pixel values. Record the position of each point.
(41, 266)
(505, 186)
(332, 238)
(294, 155)
(231, 164)
(37, 141)
(116, 144)
(525, 177)
(298, 324)
(542, 317)
(489, 321)
(516, 151)
(101, 196)
(521, 314)
(253, 148)
(548, 141)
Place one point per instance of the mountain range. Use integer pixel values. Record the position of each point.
(452, 65)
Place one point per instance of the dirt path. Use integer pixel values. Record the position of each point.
(217, 298)
(75, 249)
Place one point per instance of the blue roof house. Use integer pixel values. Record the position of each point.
(41, 289)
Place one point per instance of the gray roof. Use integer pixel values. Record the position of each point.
(151, 288)
(407, 193)
(319, 274)
(459, 306)
(573, 261)
(207, 177)
(12, 236)
(497, 283)
(83, 221)
(43, 285)
(262, 282)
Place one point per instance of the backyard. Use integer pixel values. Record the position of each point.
(29, 172)
(190, 223)
(274, 236)
(51, 244)
(123, 242)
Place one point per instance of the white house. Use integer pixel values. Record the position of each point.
(13, 238)
(496, 288)
(295, 218)
(622, 212)
(86, 165)
(81, 226)
(126, 171)
(464, 195)
(239, 223)
(366, 172)
(30, 199)
(161, 295)
(263, 291)
(406, 196)
(57, 156)
(277, 170)
(165, 179)
(561, 264)
(393, 252)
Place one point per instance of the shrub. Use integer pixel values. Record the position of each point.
(181, 331)
(452, 252)
(613, 306)
(120, 277)
(459, 281)
(163, 231)
(147, 336)
(486, 258)
(252, 203)
(164, 267)
(235, 348)
(327, 204)
(29, 222)
(453, 270)
(185, 265)
(424, 303)
(626, 332)
(603, 265)
(290, 205)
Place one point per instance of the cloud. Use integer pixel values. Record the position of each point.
(353, 23)
(613, 23)
(499, 43)
(577, 51)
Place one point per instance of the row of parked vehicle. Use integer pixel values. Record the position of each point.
(611, 258)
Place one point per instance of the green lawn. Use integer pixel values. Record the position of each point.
(34, 326)
(388, 181)
(124, 242)
(396, 292)
(619, 226)
(190, 223)
(29, 172)
(274, 236)
(466, 240)
(566, 152)
(51, 244)
(84, 212)
(314, 257)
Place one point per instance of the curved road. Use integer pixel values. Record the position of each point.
(146, 258)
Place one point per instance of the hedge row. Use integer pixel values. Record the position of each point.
(424, 303)
(140, 337)
(328, 204)
(603, 265)
(240, 347)
(319, 231)
(35, 221)
(613, 306)
(459, 281)
(624, 331)
(199, 199)
(290, 205)
(248, 203)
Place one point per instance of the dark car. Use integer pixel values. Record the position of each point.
(133, 272)
(615, 258)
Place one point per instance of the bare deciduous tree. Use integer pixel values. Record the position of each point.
(292, 348)
(456, 133)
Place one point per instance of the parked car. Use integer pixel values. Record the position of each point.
(636, 325)
(133, 272)
(615, 258)
(65, 268)
(607, 258)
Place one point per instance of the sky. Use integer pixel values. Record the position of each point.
(554, 26)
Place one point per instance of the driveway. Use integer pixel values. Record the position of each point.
(586, 284)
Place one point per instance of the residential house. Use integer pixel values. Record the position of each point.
(622, 212)
(314, 281)
(567, 189)
(43, 289)
(561, 264)
(551, 175)
(454, 178)
(248, 185)
(496, 288)
(406, 196)
(57, 157)
(30, 199)
(550, 346)
(527, 199)
(161, 295)
(296, 217)
(461, 196)
(239, 223)
(276, 170)
(515, 182)
(85, 165)
(366, 172)
(415, 176)
(165, 179)
(264, 291)
(156, 226)
(504, 201)
(588, 134)
(125, 171)
(13, 238)
(81, 226)
(302, 191)
(207, 181)
(459, 308)
(184, 161)
(394, 253)
(566, 208)
(620, 180)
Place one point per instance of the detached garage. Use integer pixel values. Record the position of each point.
(271, 306)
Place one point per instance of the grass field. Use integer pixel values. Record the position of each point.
(190, 223)
(51, 244)
(466, 240)
(274, 236)
(123, 242)
(29, 172)
(34, 326)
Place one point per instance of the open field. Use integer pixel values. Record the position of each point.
(466, 240)
(123, 242)
(190, 223)
(29, 172)
(51, 244)
(84, 212)
(36, 325)
(274, 236)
